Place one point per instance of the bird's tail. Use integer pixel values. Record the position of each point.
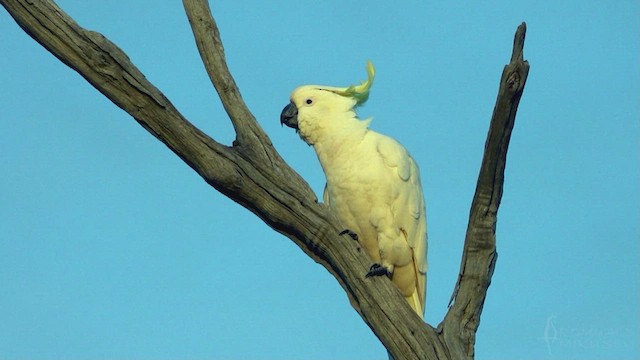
(416, 304)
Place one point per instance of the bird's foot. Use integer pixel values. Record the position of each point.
(378, 270)
(353, 235)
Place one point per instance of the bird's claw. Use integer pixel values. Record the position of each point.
(353, 235)
(378, 270)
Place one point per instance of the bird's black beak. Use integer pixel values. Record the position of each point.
(289, 116)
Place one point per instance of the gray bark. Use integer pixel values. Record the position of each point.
(254, 175)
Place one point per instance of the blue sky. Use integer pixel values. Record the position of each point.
(112, 248)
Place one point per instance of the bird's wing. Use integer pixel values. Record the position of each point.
(408, 207)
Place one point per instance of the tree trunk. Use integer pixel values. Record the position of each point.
(254, 175)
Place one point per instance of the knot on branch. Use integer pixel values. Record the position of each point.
(513, 81)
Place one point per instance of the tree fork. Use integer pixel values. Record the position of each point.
(253, 174)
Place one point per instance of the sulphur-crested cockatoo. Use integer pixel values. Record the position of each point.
(373, 184)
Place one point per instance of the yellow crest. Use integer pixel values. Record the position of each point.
(359, 92)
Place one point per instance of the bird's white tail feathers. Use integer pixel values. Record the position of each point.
(415, 303)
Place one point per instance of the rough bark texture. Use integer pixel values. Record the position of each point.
(479, 254)
(253, 174)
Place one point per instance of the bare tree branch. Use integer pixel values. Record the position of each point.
(253, 174)
(479, 255)
(249, 133)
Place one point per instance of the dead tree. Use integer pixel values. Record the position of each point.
(254, 175)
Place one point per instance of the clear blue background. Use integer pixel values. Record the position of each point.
(112, 248)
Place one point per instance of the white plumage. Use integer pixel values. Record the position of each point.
(373, 184)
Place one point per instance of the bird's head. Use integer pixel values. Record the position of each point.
(314, 108)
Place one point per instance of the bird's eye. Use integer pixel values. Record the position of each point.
(309, 101)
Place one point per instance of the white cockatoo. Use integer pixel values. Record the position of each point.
(373, 184)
